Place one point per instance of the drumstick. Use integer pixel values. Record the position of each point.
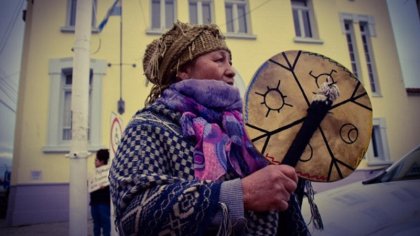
(318, 109)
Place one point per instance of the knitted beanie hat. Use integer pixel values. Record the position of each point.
(178, 46)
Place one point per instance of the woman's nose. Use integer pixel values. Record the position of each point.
(230, 72)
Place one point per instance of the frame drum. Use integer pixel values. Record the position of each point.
(276, 104)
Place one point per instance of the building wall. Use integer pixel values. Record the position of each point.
(405, 19)
(272, 33)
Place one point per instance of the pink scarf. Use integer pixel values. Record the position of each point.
(212, 113)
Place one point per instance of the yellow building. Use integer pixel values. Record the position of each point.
(348, 31)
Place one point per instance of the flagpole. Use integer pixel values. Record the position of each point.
(115, 9)
(120, 109)
(78, 192)
(121, 52)
(121, 103)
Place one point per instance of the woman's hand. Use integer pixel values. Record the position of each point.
(269, 188)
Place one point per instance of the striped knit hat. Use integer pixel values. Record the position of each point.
(180, 45)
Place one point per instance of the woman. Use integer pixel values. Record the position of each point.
(185, 165)
(100, 201)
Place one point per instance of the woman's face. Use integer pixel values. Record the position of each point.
(98, 163)
(214, 65)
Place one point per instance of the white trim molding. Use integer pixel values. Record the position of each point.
(378, 151)
(57, 68)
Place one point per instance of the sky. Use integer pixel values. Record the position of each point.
(11, 39)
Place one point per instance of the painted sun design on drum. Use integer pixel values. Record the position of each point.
(274, 99)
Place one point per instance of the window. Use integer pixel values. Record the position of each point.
(303, 19)
(351, 44)
(201, 11)
(66, 125)
(71, 15)
(237, 18)
(67, 116)
(59, 118)
(366, 28)
(378, 148)
(163, 14)
(367, 48)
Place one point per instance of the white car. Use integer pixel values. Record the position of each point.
(387, 204)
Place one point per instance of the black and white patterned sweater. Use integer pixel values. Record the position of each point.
(154, 190)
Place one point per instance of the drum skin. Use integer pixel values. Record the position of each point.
(276, 103)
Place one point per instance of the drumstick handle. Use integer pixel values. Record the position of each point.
(322, 102)
(316, 112)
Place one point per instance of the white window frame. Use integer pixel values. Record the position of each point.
(370, 32)
(234, 20)
(162, 16)
(68, 88)
(371, 65)
(313, 38)
(378, 151)
(200, 16)
(349, 33)
(71, 16)
(57, 70)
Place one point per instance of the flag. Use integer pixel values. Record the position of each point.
(114, 10)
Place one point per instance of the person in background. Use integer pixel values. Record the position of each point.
(185, 165)
(100, 202)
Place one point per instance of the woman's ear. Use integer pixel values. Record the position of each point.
(183, 75)
(185, 71)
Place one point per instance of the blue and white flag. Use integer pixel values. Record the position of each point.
(114, 10)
